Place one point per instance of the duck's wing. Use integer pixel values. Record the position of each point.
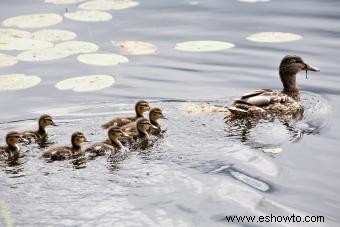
(259, 98)
(130, 127)
(58, 153)
(117, 121)
(100, 148)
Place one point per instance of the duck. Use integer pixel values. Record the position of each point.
(40, 134)
(266, 102)
(140, 131)
(140, 107)
(12, 148)
(155, 128)
(111, 145)
(67, 152)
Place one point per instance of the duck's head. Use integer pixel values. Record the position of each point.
(13, 138)
(78, 138)
(115, 133)
(143, 125)
(289, 67)
(141, 107)
(155, 114)
(46, 120)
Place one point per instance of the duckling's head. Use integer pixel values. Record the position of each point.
(141, 107)
(13, 138)
(155, 114)
(115, 133)
(78, 138)
(289, 67)
(46, 120)
(143, 125)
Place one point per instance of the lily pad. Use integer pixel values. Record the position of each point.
(64, 2)
(273, 37)
(135, 47)
(77, 47)
(44, 54)
(102, 59)
(8, 43)
(203, 46)
(108, 4)
(33, 20)
(17, 81)
(7, 60)
(86, 83)
(54, 35)
(272, 150)
(88, 16)
(14, 33)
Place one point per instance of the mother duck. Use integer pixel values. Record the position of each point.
(266, 102)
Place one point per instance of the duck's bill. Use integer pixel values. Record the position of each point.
(311, 68)
(54, 124)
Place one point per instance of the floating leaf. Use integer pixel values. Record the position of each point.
(203, 46)
(18, 81)
(135, 47)
(64, 2)
(273, 37)
(44, 54)
(102, 59)
(88, 16)
(77, 47)
(54, 35)
(33, 20)
(108, 4)
(8, 43)
(272, 150)
(14, 33)
(86, 83)
(7, 60)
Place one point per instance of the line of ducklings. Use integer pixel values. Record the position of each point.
(121, 130)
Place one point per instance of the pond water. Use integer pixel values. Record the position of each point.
(200, 169)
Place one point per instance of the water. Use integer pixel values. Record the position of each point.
(199, 170)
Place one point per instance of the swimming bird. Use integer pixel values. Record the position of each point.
(67, 152)
(266, 102)
(140, 107)
(154, 115)
(12, 148)
(112, 144)
(41, 133)
(141, 130)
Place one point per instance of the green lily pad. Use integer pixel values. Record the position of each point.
(45, 54)
(135, 47)
(108, 4)
(86, 83)
(8, 43)
(77, 47)
(33, 20)
(88, 16)
(273, 37)
(17, 81)
(14, 33)
(203, 46)
(7, 60)
(54, 35)
(102, 59)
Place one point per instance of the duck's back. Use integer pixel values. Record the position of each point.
(119, 121)
(59, 153)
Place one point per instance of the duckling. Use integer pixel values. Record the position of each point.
(140, 107)
(40, 134)
(67, 152)
(112, 144)
(141, 129)
(12, 149)
(154, 115)
(266, 102)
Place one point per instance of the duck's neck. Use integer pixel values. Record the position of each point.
(138, 113)
(154, 122)
(13, 149)
(143, 134)
(289, 85)
(42, 131)
(116, 142)
(76, 147)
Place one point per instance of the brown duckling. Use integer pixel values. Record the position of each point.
(141, 129)
(112, 144)
(154, 115)
(40, 134)
(140, 107)
(266, 102)
(12, 149)
(67, 152)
